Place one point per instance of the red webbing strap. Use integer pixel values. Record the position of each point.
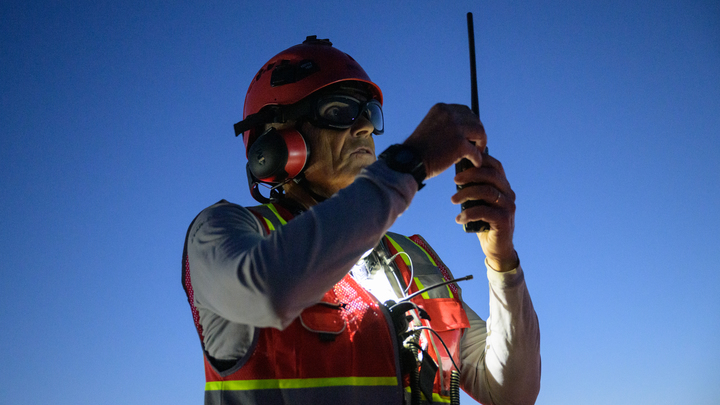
(260, 219)
(284, 213)
(187, 286)
(443, 268)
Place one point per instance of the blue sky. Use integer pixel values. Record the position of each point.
(116, 122)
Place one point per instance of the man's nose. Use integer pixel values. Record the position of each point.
(362, 127)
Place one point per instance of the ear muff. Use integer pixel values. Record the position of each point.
(278, 155)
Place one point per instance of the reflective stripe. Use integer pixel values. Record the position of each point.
(244, 385)
(269, 224)
(399, 249)
(436, 397)
(429, 256)
(441, 266)
(420, 287)
(425, 294)
(277, 214)
(449, 291)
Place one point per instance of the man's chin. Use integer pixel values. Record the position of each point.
(364, 161)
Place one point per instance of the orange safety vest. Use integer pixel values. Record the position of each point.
(342, 350)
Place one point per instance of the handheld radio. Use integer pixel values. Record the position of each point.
(476, 226)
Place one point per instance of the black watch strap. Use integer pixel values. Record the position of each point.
(405, 159)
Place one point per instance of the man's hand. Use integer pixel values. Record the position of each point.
(448, 133)
(491, 185)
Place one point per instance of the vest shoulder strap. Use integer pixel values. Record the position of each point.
(271, 216)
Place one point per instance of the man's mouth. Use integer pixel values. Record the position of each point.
(362, 150)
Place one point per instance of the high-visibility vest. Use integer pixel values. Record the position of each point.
(342, 350)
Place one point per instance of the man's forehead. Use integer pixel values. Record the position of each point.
(356, 90)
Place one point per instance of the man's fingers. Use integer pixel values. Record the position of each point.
(491, 215)
(489, 160)
(484, 175)
(490, 194)
(474, 155)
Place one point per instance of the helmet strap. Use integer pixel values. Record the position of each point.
(304, 185)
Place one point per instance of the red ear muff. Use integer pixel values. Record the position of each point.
(277, 155)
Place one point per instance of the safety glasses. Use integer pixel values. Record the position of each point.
(341, 111)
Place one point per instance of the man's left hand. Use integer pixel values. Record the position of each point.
(490, 184)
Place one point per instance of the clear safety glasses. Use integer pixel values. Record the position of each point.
(340, 112)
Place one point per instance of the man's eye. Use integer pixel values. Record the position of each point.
(332, 112)
(336, 112)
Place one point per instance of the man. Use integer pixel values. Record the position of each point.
(307, 299)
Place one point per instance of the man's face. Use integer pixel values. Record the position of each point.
(337, 156)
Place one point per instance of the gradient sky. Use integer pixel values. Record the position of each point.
(116, 122)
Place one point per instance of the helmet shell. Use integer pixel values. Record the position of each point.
(299, 71)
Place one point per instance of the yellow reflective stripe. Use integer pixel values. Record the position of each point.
(440, 398)
(420, 287)
(434, 264)
(245, 385)
(398, 249)
(269, 224)
(426, 295)
(277, 214)
(436, 397)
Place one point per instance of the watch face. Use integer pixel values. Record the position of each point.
(405, 159)
(404, 156)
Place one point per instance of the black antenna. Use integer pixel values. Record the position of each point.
(416, 293)
(475, 105)
(476, 226)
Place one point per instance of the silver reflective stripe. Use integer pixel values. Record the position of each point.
(334, 395)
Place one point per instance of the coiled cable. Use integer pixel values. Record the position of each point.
(454, 388)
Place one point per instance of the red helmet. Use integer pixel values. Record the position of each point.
(294, 74)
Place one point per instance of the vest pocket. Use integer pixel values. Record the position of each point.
(325, 319)
(446, 314)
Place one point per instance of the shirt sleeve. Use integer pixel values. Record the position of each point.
(245, 277)
(501, 357)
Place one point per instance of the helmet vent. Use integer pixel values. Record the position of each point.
(286, 72)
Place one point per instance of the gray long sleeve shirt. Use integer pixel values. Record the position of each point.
(243, 279)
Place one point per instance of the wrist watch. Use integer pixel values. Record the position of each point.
(405, 159)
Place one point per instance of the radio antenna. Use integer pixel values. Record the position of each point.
(476, 226)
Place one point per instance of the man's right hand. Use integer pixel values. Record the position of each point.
(448, 133)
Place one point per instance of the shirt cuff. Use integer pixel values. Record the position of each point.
(505, 279)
